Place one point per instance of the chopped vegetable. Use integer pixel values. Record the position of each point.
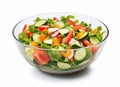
(67, 39)
(42, 37)
(54, 55)
(41, 22)
(80, 54)
(29, 53)
(36, 37)
(70, 22)
(55, 19)
(59, 24)
(48, 41)
(41, 28)
(41, 57)
(28, 33)
(86, 43)
(81, 35)
(32, 28)
(24, 28)
(94, 40)
(62, 65)
(33, 43)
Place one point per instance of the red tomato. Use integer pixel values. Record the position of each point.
(41, 28)
(24, 28)
(41, 57)
(67, 39)
(86, 43)
(55, 19)
(94, 49)
(71, 22)
(28, 33)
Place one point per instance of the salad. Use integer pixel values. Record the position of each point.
(61, 42)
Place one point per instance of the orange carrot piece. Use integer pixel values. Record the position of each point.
(24, 28)
(33, 43)
(42, 37)
(79, 35)
(55, 42)
(67, 54)
(95, 31)
(56, 26)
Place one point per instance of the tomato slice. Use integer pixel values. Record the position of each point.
(86, 43)
(71, 22)
(67, 39)
(24, 28)
(41, 57)
(41, 28)
(94, 49)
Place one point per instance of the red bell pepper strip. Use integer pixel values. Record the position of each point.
(28, 33)
(71, 22)
(41, 28)
(55, 19)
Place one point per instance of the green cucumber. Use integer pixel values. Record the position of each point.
(80, 54)
(99, 36)
(62, 65)
(41, 22)
(75, 44)
(36, 37)
(60, 24)
(94, 40)
(61, 48)
(28, 54)
(48, 41)
(71, 29)
(63, 31)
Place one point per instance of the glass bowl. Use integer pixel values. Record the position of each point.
(60, 67)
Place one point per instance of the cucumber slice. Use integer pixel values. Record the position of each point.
(81, 30)
(48, 41)
(41, 22)
(36, 37)
(63, 31)
(94, 40)
(80, 54)
(60, 24)
(61, 48)
(28, 54)
(62, 65)
(75, 43)
(85, 62)
(71, 29)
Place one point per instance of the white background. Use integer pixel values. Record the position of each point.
(16, 72)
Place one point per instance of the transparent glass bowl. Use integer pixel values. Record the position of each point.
(27, 51)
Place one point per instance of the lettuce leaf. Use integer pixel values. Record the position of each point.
(54, 56)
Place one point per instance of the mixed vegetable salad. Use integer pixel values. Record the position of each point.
(62, 41)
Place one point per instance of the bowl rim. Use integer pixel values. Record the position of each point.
(60, 13)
